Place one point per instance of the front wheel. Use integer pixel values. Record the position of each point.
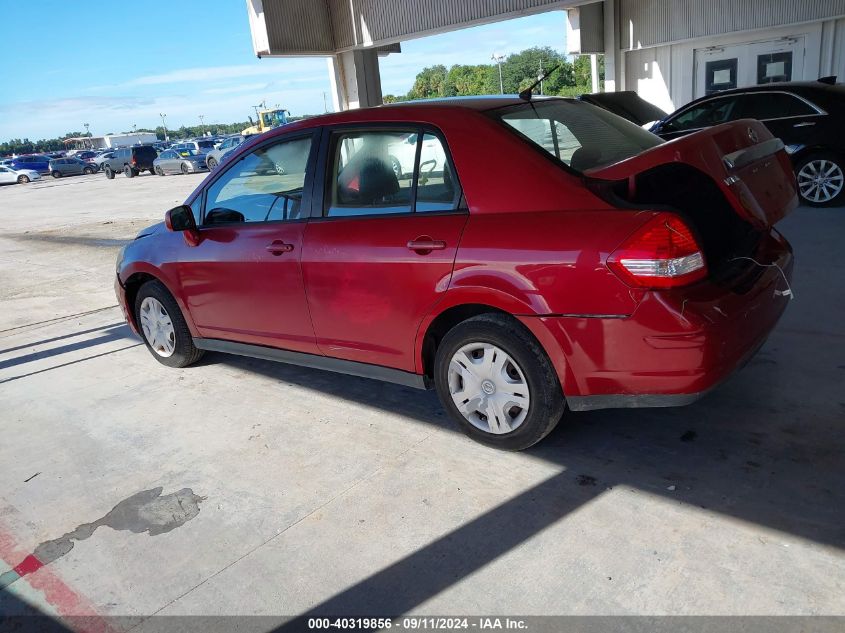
(159, 170)
(497, 383)
(88, 171)
(23, 179)
(211, 164)
(163, 327)
(109, 172)
(56, 174)
(185, 169)
(821, 179)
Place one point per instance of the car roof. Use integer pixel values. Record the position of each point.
(798, 87)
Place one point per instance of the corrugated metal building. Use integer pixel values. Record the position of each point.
(670, 51)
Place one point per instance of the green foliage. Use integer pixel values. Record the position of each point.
(519, 71)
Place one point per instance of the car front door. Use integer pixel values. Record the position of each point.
(380, 254)
(707, 113)
(242, 281)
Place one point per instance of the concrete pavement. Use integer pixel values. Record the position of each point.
(323, 493)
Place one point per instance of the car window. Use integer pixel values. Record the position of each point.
(265, 185)
(168, 154)
(372, 173)
(578, 134)
(774, 105)
(705, 114)
(436, 187)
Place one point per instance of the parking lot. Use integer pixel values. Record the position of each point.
(279, 490)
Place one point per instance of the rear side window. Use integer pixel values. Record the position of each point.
(146, 153)
(774, 105)
(372, 173)
(578, 134)
(264, 186)
(383, 172)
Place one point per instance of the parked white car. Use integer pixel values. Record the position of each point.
(9, 176)
(403, 154)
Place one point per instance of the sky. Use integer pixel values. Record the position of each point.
(122, 66)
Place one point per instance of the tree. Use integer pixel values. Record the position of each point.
(430, 82)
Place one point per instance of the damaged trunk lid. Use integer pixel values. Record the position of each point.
(747, 164)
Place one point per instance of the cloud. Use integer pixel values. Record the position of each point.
(236, 89)
(262, 68)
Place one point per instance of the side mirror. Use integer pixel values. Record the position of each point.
(181, 219)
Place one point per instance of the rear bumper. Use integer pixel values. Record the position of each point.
(676, 346)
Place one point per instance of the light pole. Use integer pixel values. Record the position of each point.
(498, 59)
(163, 124)
(87, 133)
(202, 125)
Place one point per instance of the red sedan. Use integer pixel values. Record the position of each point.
(519, 256)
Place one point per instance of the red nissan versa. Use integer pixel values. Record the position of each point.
(519, 256)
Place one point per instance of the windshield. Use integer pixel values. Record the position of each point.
(578, 134)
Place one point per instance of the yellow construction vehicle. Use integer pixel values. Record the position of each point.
(267, 120)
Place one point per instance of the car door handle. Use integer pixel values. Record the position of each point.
(804, 124)
(278, 247)
(424, 245)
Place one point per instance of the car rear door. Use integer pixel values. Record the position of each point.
(380, 250)
(787, 116)
(242, 281)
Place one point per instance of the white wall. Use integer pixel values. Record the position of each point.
(665, 75)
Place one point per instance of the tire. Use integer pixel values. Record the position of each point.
(22, 180)
(821, 179)
(128, 171)
(396, 166)
(183, 352)
(211, 164)
(526, 368)
(109, 173)
(152, 171)
(158, 170)
(88, 171)
(184, 169)
(56, 174)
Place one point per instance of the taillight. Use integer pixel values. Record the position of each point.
(661, 254)
(133, 161)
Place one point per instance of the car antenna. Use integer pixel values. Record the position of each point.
(526, 94)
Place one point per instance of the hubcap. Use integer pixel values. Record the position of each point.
(489, 388)
(820, 180)
(157, 327)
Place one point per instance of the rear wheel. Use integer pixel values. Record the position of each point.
(821, 179)
(152, 171)
(23, 179)
(88, 171)
(497, 383)
(163, 327)
(109, 173)
(128, 171)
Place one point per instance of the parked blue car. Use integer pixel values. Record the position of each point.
(36, 162)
